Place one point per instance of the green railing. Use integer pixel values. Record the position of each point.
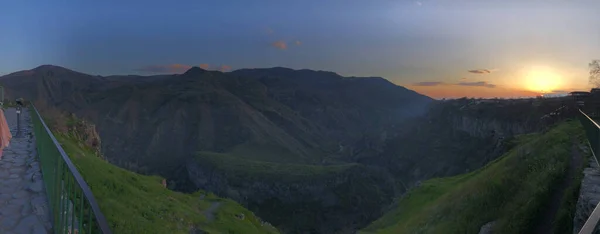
(71, 202)
(592, 131)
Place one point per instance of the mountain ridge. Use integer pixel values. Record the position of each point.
(276, 117)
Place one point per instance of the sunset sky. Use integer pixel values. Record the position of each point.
(442, 48)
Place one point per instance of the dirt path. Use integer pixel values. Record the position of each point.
(544, 225)
(23, 204)
(209, 213)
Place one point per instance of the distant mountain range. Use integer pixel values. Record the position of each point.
(157, 124)
(308, 151)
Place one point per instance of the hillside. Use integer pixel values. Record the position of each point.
(513, 191)
(134, 203)
(313, 119)
(308, 151)
(463, 135)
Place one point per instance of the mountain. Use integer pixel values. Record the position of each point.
(285, 143)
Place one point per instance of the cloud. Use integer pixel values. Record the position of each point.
(225, 68)
(481, 71)
(560, 91)
(478, 83)
(429, 83)
(279, 45)
(464, 78)
(298, 43)
(419, 3)
(173, 68)
(204, 66)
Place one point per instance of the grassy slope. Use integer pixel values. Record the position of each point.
(246, 168)
(135, 203)
(510, 190)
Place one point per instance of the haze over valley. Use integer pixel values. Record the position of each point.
(334, 117)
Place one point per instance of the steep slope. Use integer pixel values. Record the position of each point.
(212, 111)
(134, 203)
(460, 136)
(290, 119)
(507, 195)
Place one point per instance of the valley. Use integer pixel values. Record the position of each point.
(307, 151)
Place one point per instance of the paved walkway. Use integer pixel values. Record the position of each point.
(23, 203)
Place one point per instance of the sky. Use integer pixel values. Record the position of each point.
(441, 48)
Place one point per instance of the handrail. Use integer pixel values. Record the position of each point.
(72, 203)
(592, 130)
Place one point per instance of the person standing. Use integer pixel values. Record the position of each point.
(5, 134)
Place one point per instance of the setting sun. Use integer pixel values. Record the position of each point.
(542, 79)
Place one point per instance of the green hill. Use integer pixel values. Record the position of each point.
(134, 203)
(318, 196)
(512, 190)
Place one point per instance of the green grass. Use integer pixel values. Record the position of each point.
(245, 169)
(134, 203)
(265, 152)
(510, 190)
(564, 219)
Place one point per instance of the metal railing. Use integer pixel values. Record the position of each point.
(592, 131)
(72, 204)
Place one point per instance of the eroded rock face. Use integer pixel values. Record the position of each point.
(320, 204)
(589, 196)
(85, 132)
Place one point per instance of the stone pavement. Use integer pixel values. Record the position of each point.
(23, 203)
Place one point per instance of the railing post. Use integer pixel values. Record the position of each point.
(66, 189)
(18, 122)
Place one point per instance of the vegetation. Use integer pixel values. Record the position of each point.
(564, 219)
(252, 169)
(511, 190)
(135, 203)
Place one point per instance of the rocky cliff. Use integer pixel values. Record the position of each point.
(589, 196)
(459, 136)
(338, 199)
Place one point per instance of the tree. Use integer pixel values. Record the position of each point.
(594, 78)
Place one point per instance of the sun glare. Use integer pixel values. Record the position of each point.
(542, 79)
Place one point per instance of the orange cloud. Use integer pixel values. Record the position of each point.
(225, 68)
(458, 91)
(279, 45)
(298, 43)
(173, 68)
(429, 83)
(478, 83)
(204, 66)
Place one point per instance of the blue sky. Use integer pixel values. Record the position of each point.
(404, 41)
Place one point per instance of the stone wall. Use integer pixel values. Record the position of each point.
(589, 196)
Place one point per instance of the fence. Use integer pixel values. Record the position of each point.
(592, 131)
(71, 202)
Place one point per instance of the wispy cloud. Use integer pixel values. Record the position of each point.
(478, 83)
(279, 45)
(419, 3)
(173, 68)
(298, 43)
(204, 66)
(429, 83)
(464, 78)
(481, 71)
(224, 68)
